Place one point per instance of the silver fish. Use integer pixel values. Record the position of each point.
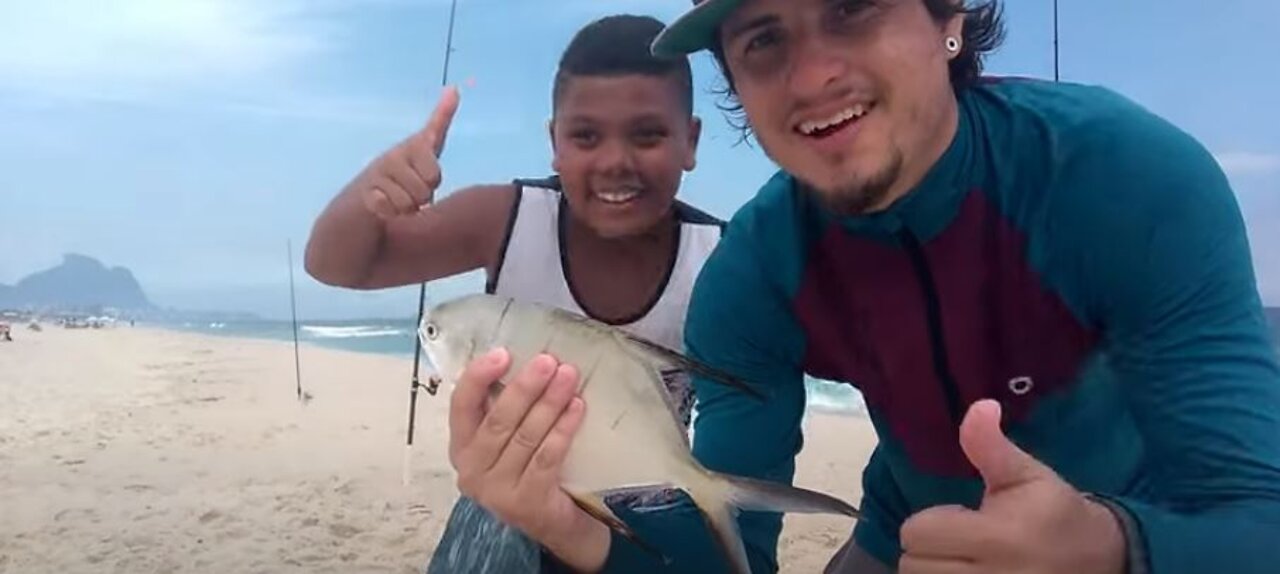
(630, 438)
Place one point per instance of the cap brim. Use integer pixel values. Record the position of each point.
(694, 30)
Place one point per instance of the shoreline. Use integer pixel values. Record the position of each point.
(817, 402)
(151, 449)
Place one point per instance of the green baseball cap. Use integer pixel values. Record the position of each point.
(694, 30)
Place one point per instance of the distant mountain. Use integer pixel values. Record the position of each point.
(78, 283)
(82, 285)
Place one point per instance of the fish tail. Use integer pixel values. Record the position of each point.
(720, 496)
(768, 496)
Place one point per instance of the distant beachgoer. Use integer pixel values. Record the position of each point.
(605, 236)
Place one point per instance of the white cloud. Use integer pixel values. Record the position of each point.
(1248, 163)
(244, 57)
(139, 47)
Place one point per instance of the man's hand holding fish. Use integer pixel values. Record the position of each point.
(508, 453)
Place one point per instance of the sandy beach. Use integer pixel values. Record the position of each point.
(144, 450)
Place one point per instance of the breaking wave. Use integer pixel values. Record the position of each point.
(352, 332)
(827, 396)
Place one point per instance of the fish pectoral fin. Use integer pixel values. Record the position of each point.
(713, 500)
(665, 356)
(594, 505)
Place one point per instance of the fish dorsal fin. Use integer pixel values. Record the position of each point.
(659, 355)
(663, 356)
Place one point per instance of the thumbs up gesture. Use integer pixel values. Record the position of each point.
(1030, 520)
(405, 178)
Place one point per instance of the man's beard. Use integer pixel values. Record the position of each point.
(857, 196)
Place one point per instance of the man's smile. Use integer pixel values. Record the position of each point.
(833, 132)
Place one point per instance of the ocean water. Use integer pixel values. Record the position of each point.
(396, 337)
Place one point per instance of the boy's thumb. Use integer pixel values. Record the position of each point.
(1000, 462)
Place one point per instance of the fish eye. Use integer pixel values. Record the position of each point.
(431, 331)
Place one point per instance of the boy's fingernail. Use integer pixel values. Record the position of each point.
(495, 356)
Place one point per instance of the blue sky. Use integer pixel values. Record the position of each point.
(189, 140)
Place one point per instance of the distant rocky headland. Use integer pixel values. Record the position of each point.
(83, 286)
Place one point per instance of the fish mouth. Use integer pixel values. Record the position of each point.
(441, 367)
(828, 124)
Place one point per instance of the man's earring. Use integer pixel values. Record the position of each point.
(953, 44)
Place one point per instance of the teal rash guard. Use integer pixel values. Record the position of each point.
(1071, 255)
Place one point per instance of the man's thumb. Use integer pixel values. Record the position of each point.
(1000, 462)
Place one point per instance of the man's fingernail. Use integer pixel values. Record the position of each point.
(495, 356)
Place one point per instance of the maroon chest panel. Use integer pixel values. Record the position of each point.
(865, 307)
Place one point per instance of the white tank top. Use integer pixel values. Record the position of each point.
(531, 268)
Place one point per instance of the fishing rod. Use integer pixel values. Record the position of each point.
(293, 308)
(433, 384)
(1055, 40)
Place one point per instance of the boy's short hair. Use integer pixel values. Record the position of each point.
(619, 45)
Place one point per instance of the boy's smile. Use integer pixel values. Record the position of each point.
(620, 195)
(622, 143)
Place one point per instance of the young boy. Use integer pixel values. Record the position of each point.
(604, 237)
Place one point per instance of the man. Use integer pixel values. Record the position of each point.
(1043, 291)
